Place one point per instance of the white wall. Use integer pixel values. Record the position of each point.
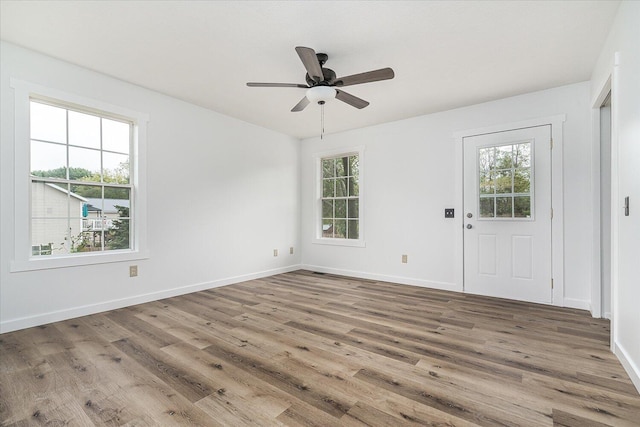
(623, 40)
(222, 194)
(410, 177)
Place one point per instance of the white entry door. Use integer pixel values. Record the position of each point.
(507, 214)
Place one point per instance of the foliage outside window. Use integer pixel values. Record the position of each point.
(505, 181)
(340, 197)
(81, 189)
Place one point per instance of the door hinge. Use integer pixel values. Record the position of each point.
(551, 283)
(551, 213)
(551, 143)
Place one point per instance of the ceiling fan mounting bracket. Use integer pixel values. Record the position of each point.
(322, 58)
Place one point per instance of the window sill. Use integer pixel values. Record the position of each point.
(340, 242)
(33, 264)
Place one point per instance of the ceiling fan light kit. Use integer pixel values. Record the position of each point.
(320, 94)
(321, 82)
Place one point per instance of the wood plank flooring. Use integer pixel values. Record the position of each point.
(303, 349)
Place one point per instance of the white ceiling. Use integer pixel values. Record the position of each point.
(445, 54)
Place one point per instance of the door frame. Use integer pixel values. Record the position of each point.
(557, 229)
(596, 283)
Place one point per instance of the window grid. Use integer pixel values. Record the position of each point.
(340, 197)
(73, 230)
(505, 174)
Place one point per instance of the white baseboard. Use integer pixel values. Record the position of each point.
(581, 304)
(385, 278)
(628, 364)
(56, 316)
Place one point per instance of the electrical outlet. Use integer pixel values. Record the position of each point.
(133, 270)
(404, 259)
(275, 252)
(448, 213)
(291, 250)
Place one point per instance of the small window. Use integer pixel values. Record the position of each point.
(505, 177)
(340, 197)
(81, 191)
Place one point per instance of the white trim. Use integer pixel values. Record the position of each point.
(632, 369)
(56, 316)
(317, 197)
(615, 194)
(91, 258)
(22, 244)
(581, 304)
(596, 272)
(557, 182)
(446, 286)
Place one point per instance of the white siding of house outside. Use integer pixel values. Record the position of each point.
(50, 202)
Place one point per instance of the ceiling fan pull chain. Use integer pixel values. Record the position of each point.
(321, 120)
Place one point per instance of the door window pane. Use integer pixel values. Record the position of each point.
(522, 155)
(487, 207)
(503, 207)
(522, 207)
(521, 181)
(504, 157)
(504, 181)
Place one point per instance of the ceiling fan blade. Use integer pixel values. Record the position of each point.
(368, 77)
(310, 61)
(301, 105)
(253, 84)
(354, 101)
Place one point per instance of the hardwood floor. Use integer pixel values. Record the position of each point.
(303, 349)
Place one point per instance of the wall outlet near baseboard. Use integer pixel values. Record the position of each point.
(291, 250)
(133, 271)
(275, 252)
(404, 259)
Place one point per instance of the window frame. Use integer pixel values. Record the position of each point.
(23, 259)
(317, 223)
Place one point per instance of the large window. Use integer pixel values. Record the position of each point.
(340, 198)
(81, 191)
(79, 177)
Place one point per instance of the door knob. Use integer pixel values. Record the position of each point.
(469, 226)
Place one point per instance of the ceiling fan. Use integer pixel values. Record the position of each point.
(322, 82)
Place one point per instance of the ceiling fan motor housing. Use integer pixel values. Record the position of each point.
(328, 75)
